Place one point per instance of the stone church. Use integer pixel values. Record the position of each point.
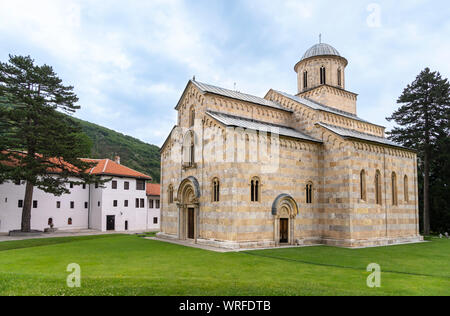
(241, 171)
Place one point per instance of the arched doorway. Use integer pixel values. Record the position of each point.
(188, 209)
(284, 210)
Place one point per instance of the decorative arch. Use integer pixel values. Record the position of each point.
(188, 198)
(284, 210)
(189, 191)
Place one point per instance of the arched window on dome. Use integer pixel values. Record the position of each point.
(339, 77)
(305, 80)
(323, 79)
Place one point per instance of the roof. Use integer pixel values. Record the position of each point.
(321, 107)
(153, 189)
(321, 49)
(348, 133)
(236, 121)
(108, 167)
(238, 95)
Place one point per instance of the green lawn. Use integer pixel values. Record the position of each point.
(129, 265)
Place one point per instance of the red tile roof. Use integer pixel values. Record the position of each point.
(153, 189)
(108, 167)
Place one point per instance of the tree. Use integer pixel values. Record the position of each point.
(423, 121)
(38, 142)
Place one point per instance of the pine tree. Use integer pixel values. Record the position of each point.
(423, 118)
(39, 142)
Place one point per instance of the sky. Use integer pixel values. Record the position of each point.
(130, 61)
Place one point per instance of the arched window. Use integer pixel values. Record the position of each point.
(50, 221)
(305, 80)
(255, 189)
(216, 190)
(191, 117)
(394, 189)
(339, 77)
(170, 200)
(378, 187)
(362, 185)
(309, 193)
(406, 189)
(323, 78)
(189, 149)
(69, 221)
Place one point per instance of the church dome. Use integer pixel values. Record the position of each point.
(321, 49)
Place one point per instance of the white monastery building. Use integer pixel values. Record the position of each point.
(154, 206)
(119, 205)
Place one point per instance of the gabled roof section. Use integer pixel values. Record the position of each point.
(236, 121)
(348, 133)
(207, 88)
(321, 107)
(108, 167)
(153, 189)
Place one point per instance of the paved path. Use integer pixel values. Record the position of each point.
(190, 243)
(68, 233)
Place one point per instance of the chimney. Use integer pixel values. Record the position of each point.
(117, 159)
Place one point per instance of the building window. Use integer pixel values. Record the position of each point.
(150, 204)
(35, 204)
(86, 205)
(126, 185)
(71, 185)
(69, 221)
(155, 220)
(115, 203)
(137, 203)
(339, 77)
(96, 185)
(84, 186)
(255, 187)
(142, 203)
(362, 185)
(305, 80)
(406, 189)
(98, 203)
(216, 190)
(114, 185)
(58, 204)
(72, 204)
(170, 194)
(191, 117)
(378, 188)
(323, 79)
(20, 203)
(189, 149)
(125, 203)
(394, 189)
(309, 193)
(157, 204)
(126, 225)
(50, 221)
(140, 185)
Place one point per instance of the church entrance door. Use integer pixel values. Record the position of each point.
(191, 218)
(284, 230)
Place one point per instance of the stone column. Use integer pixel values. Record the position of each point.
(179, 220)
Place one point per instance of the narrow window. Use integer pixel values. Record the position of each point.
(151, 204)
(216, 190)
(378, 187)
(170, 194)
(86, 205)
(394, 189)
(69, 221)
(305, 80)
(142, 203)
(309, 188)
(157, 204)
(155, 220)
(255, 189)
(192, 154)
(98, 203)
(72, 204)
(323, 79)
(126, 225)
(71, 185)
(115, 203)
(191, 117)
(58, 204)
(126, 185)
(125, 203)
(84, 186)
(114, 185)
(339, 77)
(406, 189)
(20, 203)
(362, 180)
(137, 203)
(35, 204)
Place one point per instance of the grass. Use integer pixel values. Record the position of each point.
(129, 265)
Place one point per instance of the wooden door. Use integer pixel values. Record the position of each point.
(284, 230)
(191, 219)
(110, 222)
